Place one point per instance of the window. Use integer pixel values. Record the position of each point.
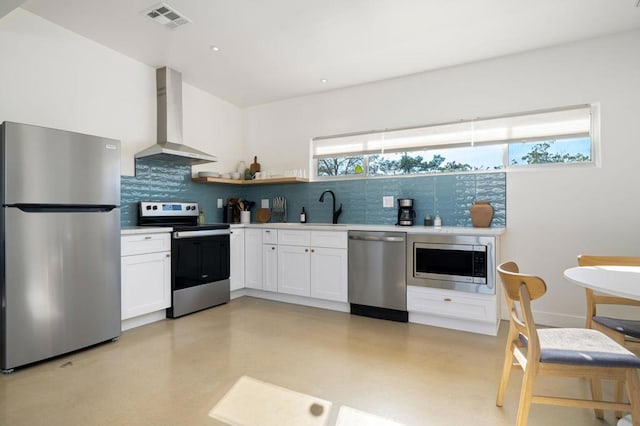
(555, 136)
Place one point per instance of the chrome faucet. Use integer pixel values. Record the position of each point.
(336, 213)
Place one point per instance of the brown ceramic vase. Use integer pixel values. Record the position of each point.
(481, 214)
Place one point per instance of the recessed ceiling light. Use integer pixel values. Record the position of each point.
(324, 80)
(214, 48)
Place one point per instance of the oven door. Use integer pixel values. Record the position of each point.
(199, 260)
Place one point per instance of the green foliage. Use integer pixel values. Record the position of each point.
(540, 154)
(381, 166)
(339, 166)
(412, 163)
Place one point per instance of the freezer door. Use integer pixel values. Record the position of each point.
(48, 166)
(61, 286)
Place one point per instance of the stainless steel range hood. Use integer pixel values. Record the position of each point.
(169, 146)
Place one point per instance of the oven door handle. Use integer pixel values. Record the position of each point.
(370, 238)
(204, 233)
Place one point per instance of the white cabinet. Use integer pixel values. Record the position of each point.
(253, 258)
(294, 270)
(313, 263)
(329, 273)
(236, 242)
(270, 267)
(145, 274)
(453, 309)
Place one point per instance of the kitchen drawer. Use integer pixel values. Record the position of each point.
(269, 236)
(330, 239)
(291, 237)
(452, 304)
(145, 243)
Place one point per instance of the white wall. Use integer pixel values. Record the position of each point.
(552, 216)
(52, 77)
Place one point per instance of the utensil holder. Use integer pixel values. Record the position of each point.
(279, 210)
(245, 217)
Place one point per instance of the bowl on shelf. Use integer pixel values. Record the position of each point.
(226, 176)
(235, 175)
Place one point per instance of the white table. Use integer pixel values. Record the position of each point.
(623, 281)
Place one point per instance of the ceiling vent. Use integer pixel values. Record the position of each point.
(166, 15)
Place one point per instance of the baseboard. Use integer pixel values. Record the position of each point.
(298, 300)
(141, 320)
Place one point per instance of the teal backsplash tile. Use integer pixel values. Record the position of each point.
(451, 196)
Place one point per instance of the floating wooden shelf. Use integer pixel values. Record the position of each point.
(250, 182)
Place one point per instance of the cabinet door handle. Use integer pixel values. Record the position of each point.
(168, 255)
(306, 250)
(446, 299)
(267, 231)
(273, 248)
(147, 238)
(313, 251)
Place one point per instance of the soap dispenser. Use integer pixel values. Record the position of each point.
(437, 222)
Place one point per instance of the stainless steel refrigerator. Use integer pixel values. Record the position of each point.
(60, 246)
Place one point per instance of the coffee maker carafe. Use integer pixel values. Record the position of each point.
(406, 214)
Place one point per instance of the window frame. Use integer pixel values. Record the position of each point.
(593, 134)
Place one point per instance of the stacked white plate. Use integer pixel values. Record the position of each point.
(208, 174)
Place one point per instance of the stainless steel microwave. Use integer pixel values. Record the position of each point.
(456, 262)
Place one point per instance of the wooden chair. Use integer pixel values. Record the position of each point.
(568, 352)
(618, 329)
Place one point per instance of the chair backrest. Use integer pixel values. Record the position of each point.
(520, 290)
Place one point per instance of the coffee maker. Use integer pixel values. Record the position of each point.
(406, 214)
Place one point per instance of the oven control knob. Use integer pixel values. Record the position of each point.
(148, 207)
(155, 207)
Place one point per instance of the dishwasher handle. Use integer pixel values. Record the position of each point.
(372, 238)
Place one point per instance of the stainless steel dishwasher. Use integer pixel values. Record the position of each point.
(377, 274)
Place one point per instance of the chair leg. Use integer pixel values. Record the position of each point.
(619, 395)
(506, 372)
(525, 397)
(596, 395)
(633, 390)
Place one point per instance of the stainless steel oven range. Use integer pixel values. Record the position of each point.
(456, 262)
(200, 256)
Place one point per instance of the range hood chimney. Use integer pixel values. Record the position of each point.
(169, 122)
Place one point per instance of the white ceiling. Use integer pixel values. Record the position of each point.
(277, 49)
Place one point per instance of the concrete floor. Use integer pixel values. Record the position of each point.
(173, 372)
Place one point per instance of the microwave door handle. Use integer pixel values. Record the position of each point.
(459, 247)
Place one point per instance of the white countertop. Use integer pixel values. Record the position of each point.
(132, 230)
(458, 230)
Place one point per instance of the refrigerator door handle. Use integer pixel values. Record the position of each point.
(63, 208)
